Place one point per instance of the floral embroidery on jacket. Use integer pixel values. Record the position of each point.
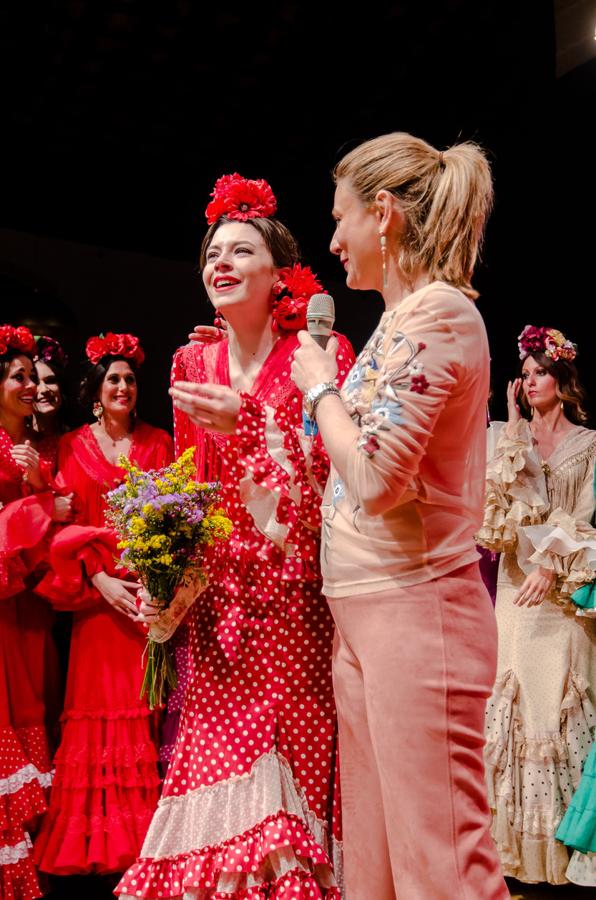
(373, 393)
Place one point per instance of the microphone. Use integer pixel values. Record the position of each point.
(320, 316)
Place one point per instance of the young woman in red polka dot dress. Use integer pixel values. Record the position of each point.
(249, 803)
(28, 660)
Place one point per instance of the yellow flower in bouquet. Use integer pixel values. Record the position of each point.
(165, 519)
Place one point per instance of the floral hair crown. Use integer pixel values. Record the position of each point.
(16, 339)
(549, 341)
(241, 199)
(126, 345)
(291, 295)
(50, 351)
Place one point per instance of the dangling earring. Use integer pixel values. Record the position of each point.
(133, 417)
(531, 412)
(97, 410)
(384, 258)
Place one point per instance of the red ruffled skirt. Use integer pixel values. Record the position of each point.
(250, 804)
(25, 774)
(106, 784)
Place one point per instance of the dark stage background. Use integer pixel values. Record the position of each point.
(119, 115)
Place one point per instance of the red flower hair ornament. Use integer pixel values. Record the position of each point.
(291, 295)
(126, 345)
(240, 198)
(16, 339)
(549, 341)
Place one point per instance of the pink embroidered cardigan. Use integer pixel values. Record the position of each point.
(413, 498)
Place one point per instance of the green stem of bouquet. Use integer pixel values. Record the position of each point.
(160, 671)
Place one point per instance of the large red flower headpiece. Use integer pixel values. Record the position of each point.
(240, 198)
(549, 341)
(16, 339)
(126, 345)
(292, 293)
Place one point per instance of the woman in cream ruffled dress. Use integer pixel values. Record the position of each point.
(540, 502)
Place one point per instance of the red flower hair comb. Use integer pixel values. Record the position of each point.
(16, 339)
(126, 345)
(241, 199)
(292, 293)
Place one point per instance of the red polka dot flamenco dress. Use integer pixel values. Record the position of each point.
(28, 668)
(249, 809)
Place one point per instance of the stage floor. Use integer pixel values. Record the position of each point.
(521, 891)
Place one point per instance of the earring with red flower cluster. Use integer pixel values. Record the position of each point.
(290, 298)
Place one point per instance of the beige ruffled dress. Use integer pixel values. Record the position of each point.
(541, 716)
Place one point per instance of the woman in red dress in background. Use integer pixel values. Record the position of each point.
(247, 810)
(28, 663)
(106, 782)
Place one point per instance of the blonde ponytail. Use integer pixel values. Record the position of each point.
(445, 197)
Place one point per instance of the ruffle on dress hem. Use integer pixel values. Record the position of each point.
(23, 803)
(93, 833)
(23, 787)
(524, 830)
(104, 795)
(512, 498)
(226, 870)
(99, 752)
(18, 879)
(14, 846)
(582, 869)
(578, 828)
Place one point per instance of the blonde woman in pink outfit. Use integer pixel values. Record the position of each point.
(415, 650)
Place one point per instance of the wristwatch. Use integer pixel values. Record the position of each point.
(312, 396)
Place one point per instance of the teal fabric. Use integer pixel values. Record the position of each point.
(578, 826)
(585, 596)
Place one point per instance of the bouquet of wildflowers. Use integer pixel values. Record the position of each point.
(165, 519)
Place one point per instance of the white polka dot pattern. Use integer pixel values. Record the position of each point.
(250, 806)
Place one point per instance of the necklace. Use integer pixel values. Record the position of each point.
(114, 441)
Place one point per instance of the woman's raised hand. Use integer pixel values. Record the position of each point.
(26, 456)
(208, 334)
(63, 510)
(117, 593)
(214, 407)
(513, 410)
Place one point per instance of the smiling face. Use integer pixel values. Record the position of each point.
(538, 385)
(18, 388)
(48, 399)
(239, 270)
(356, 239)
(118, 391)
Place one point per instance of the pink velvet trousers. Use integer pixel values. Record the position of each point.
(413, 668)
